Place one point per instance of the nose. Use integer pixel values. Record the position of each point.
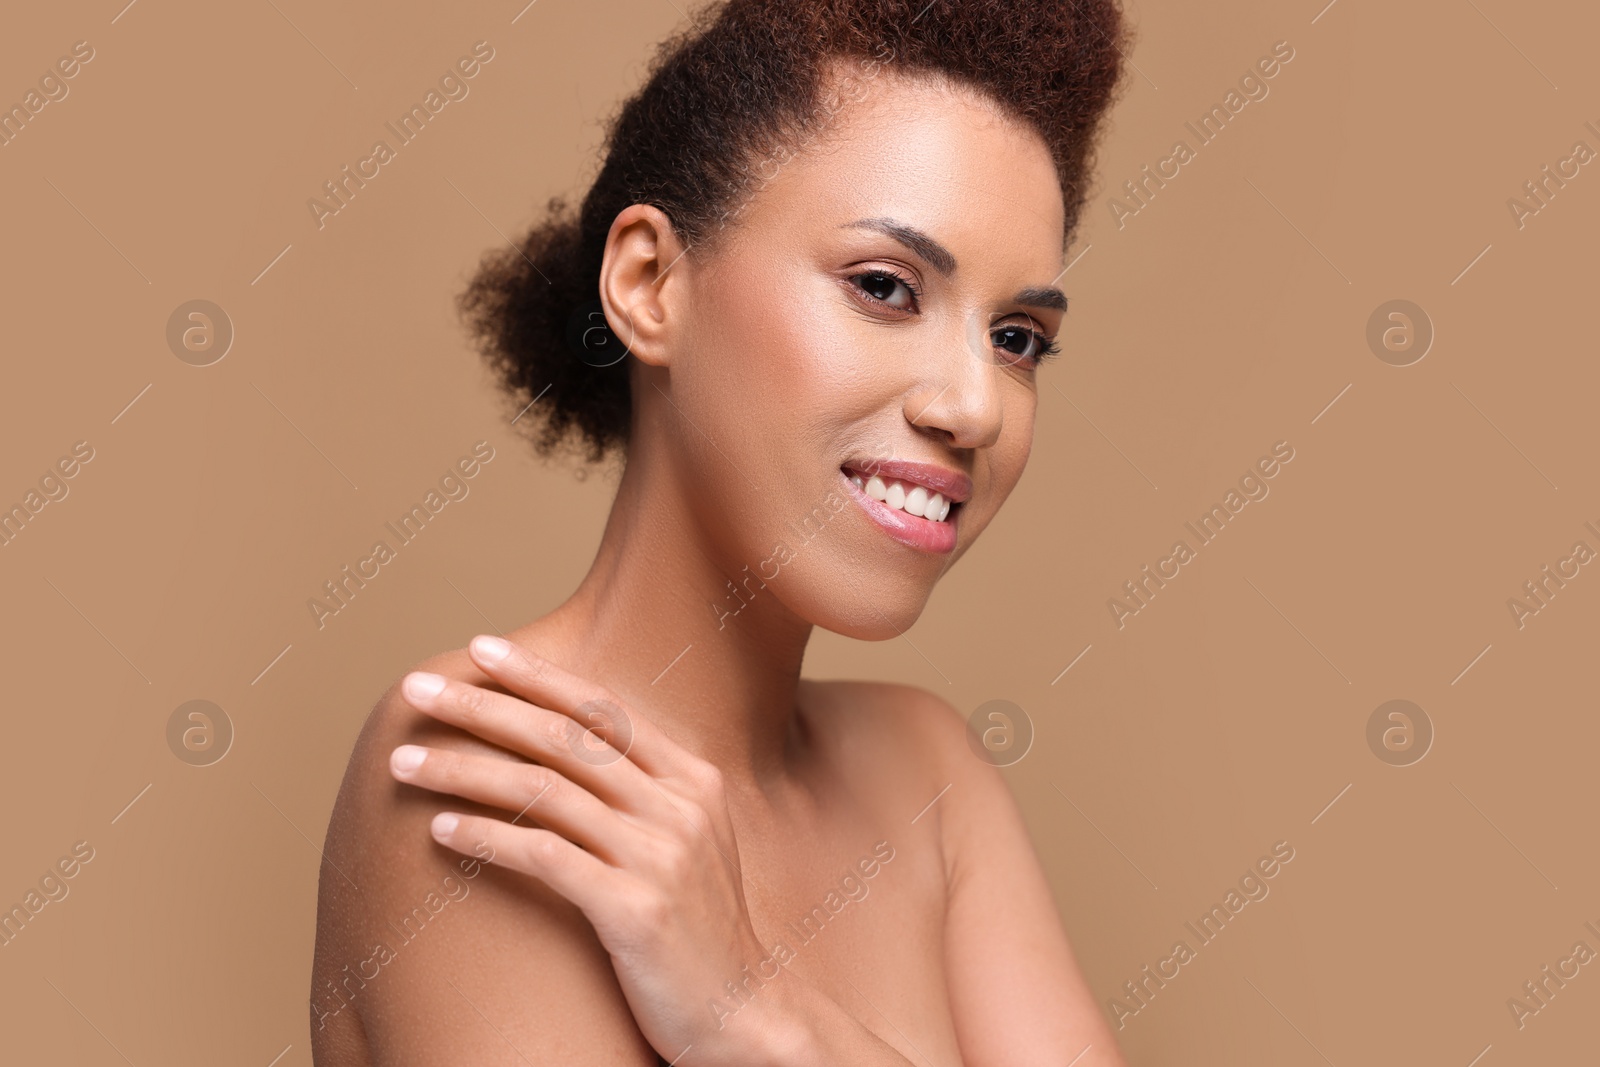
(959, 401)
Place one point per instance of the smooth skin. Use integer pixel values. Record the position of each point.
(503, 887)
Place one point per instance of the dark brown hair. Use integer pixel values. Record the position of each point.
(727, 99)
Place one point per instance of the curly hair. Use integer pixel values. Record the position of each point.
(727, 97)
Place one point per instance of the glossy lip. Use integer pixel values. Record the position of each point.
(955, 485)
(922, 534)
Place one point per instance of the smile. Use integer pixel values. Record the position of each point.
(916, 504)
(909, 497)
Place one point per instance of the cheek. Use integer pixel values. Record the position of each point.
(1016, 443)
(814, 357)
(753, 327)
(780, 360)
(1008, 457)
(819, 349)
(765, 396)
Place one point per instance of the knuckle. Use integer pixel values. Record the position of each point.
(709, 778)
(542, 784)
(559, 732)
(678, 863)
(652, 909)
(471, 703)
(536, 670)
(672, 861)
(705, 826)
(542, 849)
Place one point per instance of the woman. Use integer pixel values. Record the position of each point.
(828, 235)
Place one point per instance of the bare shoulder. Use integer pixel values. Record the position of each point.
(936, 753)
(1016, 993)
(911, 742)
(924, 728)
(424, 954)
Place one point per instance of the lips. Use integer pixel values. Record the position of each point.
(910, 488)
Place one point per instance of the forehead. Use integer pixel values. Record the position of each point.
(914, 146)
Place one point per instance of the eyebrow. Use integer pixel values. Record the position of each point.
(940, 258)
(1042, 297)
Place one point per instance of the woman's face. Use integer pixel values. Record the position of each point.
(881, 304)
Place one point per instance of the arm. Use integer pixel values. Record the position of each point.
(1016, 992)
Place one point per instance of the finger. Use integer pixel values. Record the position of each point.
(545, 736)
(563, 866)
(541, 682)
(531, 791)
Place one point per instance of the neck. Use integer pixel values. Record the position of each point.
(715, 665)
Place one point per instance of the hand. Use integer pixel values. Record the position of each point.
(635, 832)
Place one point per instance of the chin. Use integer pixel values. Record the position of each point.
(852, 603)
(862, 566)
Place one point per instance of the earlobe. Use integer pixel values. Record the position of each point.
(636, 280)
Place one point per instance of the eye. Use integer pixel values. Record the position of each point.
(888, 287)
(1018, 343)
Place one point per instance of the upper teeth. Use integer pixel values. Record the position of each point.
(905, 496)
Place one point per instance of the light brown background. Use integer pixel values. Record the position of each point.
(1221, 319)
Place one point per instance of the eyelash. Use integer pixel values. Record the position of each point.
(1048, 349)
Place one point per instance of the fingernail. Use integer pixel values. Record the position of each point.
(491, 649)
(407, 758)
(422, 684)
(444, 824)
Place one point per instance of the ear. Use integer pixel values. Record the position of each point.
(636, 280)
